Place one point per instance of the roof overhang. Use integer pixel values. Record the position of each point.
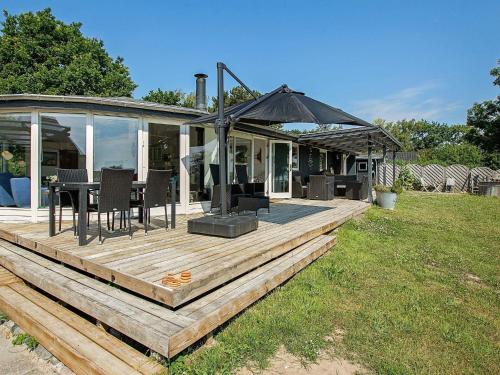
(354, 141)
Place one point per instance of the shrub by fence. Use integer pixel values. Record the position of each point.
(434, 176)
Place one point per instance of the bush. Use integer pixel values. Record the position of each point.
(396, 188)
(406, 178)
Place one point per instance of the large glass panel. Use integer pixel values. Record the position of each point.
(230, 160)
(259, 160)
(115, 143)
(63, 146)
(280, 165)
(295, 157)
(164, 149)
(202, 152)
(15, 146)
(243, 155)
(322, 160)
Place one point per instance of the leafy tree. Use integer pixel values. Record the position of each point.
(422, 134)
(235, 96)
(484, 122)
(171, 97)
(448, 154)
(42, 55)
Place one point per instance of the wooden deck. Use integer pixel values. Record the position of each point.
(228, 274)
(140, 264)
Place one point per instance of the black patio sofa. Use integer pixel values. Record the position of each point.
(351, 187)
(321, 187)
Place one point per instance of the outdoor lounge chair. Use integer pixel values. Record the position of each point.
(155, 195)
(233, 192)
(299, 185)
(114, 195)
(69, 198)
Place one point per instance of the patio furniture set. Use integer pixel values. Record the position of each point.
(324, 187)
(116, 193)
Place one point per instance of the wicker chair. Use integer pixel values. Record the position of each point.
(69, 198)
(320, 187)
(155, 195)
(253, 188)
(114, 195)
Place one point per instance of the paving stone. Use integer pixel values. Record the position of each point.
(16, 330)
(42, 353)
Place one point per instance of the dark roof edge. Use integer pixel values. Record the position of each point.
(89, 101)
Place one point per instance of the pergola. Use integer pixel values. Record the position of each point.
(357, 141)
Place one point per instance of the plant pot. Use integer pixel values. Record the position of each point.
(386, 200)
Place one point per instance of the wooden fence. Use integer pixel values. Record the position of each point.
(433, 177)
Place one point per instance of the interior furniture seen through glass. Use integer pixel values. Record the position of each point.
(15, 146)
(63, 146)
(115, 143)
(164, 150)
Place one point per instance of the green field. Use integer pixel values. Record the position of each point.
(416, 290)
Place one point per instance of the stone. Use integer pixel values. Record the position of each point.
(42, 353)
(54, 361)
(16, 330)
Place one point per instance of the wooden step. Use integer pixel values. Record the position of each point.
(77, 343)
(163, 330)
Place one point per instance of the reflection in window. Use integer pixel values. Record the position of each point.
(295, 157)
(115, 143)
(164, 149)
(15, 146)
(259, 160)
(63, 146)
(322, 160)
(243, 155)
(202, 152)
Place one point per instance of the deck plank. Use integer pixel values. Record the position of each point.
(140, 264)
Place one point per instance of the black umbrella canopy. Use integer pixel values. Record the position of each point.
(284, 105)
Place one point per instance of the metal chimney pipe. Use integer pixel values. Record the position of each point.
(201, 91)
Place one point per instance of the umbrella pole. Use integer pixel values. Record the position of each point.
(221, 134)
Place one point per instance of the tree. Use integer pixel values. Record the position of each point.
(484, 122)
(171, 97)
(448, 154)
(42, 55)
(417, 135)
(236, 95)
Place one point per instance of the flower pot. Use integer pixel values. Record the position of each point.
(386, 200)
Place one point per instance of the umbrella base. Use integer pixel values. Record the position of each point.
(228, 227)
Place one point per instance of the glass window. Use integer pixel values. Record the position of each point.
(322, 160)
(243, 155)
(164, 149)
(230, 160)
(15, 147)
(202, 152)
(295, 157)
(115, 143)
(63, 146)
(259, 160)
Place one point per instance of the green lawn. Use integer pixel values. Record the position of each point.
(416, 290)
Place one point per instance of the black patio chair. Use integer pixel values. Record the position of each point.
(214, 171)
(253, 188)
(114, 195)
(154, 195)
(69, 198)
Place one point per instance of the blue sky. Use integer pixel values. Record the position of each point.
(387, 59)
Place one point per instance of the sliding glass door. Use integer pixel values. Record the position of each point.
(281, 169)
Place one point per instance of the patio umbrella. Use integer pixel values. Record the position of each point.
(284, 105)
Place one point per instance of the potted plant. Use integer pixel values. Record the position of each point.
(387, 195)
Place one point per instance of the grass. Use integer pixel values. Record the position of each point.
(24, 338)
(415, 290)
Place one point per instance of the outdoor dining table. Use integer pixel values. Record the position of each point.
(83, 188)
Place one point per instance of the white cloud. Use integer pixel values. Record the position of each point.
(419, 102)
